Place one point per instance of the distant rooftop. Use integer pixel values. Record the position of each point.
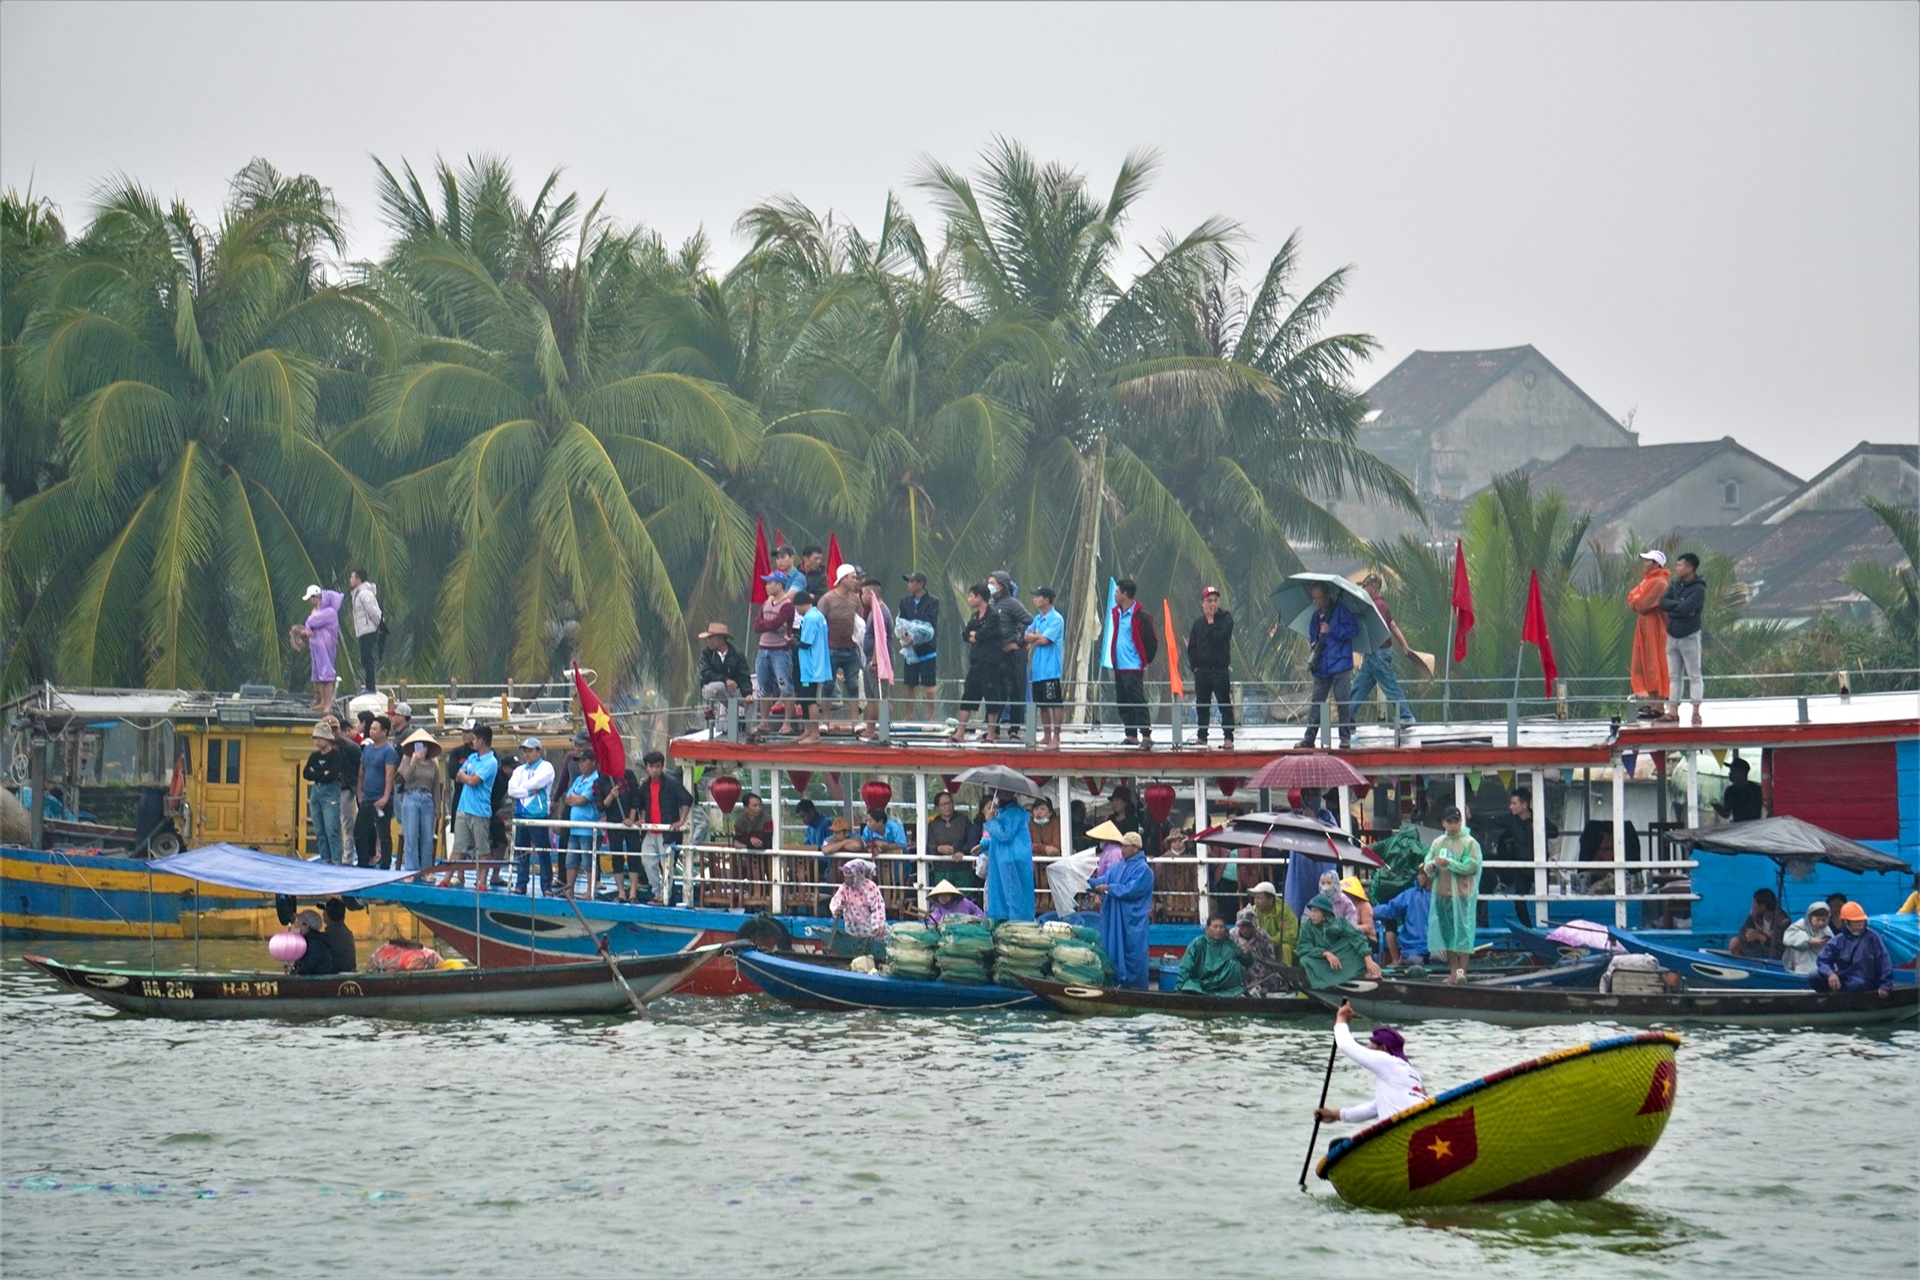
(1607, 483)
(1794, 568)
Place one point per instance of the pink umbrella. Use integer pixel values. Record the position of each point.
(1287, 772)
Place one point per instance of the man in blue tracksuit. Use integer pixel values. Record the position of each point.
(1334, 630)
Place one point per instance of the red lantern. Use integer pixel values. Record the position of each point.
(1158, 799)
(725, 792)
(1229, 785)
(802, 779)
(876, 794)
(1093, 785)
(953, 784)
(1361, 789)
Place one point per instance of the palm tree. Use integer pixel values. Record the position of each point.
(195, 373)
(1094, 367)
(547, 472)
(1895, 592)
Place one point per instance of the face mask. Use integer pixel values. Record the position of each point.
(993, 588)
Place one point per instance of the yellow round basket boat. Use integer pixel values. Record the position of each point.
(1567, 1126)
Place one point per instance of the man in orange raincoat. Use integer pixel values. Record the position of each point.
(1649, 672)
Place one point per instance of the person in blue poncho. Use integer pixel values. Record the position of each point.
(1006, 843)
(1854, 959)
(1404, 918)
(1126, 908)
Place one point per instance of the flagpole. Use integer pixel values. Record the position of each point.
(1519, 655)
(1446, 695)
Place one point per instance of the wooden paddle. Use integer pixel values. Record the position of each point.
(639, 1007)
(1325, 1085)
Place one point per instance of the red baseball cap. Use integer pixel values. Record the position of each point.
(1209, 591)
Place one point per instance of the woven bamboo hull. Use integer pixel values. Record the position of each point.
(1567, 1126)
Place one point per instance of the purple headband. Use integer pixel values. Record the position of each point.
(1389, 1040)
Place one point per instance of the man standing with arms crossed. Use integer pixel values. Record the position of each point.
(1684, 603)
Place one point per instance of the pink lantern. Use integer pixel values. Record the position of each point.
(287, 946)
(725, 792)
(1158, 799)
(876, 794)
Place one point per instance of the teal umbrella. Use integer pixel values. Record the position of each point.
(1296, 607)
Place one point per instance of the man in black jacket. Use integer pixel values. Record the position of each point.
(723, 669)
(1210, 651)
(920, 666)
(1684, 602)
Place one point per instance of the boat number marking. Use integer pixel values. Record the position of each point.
(166, 990)
(250, 988)
(351, 989)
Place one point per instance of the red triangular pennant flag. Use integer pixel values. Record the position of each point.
(1534, 631)
(1440, 1150)
(833, 558)
(608, 751)
(1173, 652)
(1462, 602)
(762, 562)
(1660, 1090)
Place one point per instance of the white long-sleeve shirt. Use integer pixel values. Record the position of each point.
(1803, 945)
(1396, 1085)
(531, 780)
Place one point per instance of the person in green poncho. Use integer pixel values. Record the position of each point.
(1276, 919)
(1454, 864)
(1332, 950)
(1213, 965)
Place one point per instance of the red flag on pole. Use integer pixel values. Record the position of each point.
(833, 558)
(1534, 630)
(762, 562)
(1173, 652)
(608, 751)
(1462, 603)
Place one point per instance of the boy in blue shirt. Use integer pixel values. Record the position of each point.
(815, 664)
(1047, 638)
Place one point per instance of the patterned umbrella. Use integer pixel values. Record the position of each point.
(1287, 772)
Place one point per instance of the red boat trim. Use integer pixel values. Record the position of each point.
(1585, 1179)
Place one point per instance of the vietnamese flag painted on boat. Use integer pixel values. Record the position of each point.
(1534, 630)
(1441, 1150)
(1462, 602)
(608, 751)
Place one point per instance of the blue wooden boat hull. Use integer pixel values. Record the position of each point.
(820, 986)
(1701, 970)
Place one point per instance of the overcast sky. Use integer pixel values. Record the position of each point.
(1706, 214)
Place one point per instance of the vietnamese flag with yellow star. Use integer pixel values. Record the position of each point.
(608, 751)
(1660, 1090)
(1441, 1149)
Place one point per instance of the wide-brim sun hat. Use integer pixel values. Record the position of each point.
(1352, 887)
(945, 886)
(1106, 831)
(419, 736)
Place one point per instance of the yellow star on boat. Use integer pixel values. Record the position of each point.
(600, 720)
(1441, 1148)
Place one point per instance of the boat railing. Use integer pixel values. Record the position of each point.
(1190, 882)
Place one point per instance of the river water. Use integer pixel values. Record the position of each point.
(732, 1138)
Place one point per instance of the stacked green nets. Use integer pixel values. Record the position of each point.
(965, 953)
(1077, 957)
(1021, 950)
(910, 950)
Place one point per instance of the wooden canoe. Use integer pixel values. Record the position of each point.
(431, 993)
(808, 984)
(1069, 997)
(1386, 1000)
(1567, 1126)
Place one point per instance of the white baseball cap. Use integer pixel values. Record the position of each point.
(845, 569)
(313, 590)
(1656, 555)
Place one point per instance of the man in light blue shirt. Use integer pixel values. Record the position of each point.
(1046, 639)
(783, 565)
(882, 834)
(815, 663)
(473, 813)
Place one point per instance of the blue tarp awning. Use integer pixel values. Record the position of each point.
(238, 867)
